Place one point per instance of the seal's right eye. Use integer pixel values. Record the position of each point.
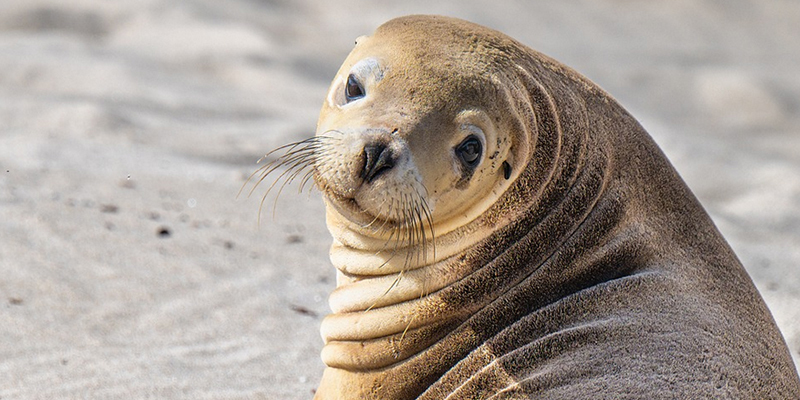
(469, 151)
(353, 90)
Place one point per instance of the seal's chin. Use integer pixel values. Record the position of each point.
(349, 208)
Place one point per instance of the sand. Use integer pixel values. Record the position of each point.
(129, 268)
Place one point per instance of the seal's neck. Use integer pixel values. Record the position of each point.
(383, 300)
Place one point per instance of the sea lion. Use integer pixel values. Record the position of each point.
(503, 228)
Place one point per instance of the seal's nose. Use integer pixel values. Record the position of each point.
(377, 159)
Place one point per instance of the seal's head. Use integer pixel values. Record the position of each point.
(416, 132)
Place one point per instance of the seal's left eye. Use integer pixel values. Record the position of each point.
(353, 90)
(469, 151)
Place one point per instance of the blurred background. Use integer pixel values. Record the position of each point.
(130, 269)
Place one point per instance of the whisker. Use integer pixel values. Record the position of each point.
(309, 174)
(407, 223)
(405, 331)
(286, 181)
(386, 220)
(421, 234)
(274, 165)
(389, 289)
(428, 217)
(375, 218)
(298, 158)
(394, 229)
(275, 182)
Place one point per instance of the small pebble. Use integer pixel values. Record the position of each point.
(164, 232)
(109, 208)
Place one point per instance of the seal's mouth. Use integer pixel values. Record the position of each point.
(349, 208)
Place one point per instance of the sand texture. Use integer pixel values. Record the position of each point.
(129, 268)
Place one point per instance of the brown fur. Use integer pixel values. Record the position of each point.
(596, 274)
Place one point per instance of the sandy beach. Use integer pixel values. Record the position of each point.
(129, 268)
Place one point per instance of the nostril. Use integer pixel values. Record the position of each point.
(377, 159)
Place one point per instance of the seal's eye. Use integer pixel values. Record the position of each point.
(353, 90)
(469, 151)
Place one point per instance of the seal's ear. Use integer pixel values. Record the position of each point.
(506, 169)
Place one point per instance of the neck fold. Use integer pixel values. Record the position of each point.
(390, 304)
